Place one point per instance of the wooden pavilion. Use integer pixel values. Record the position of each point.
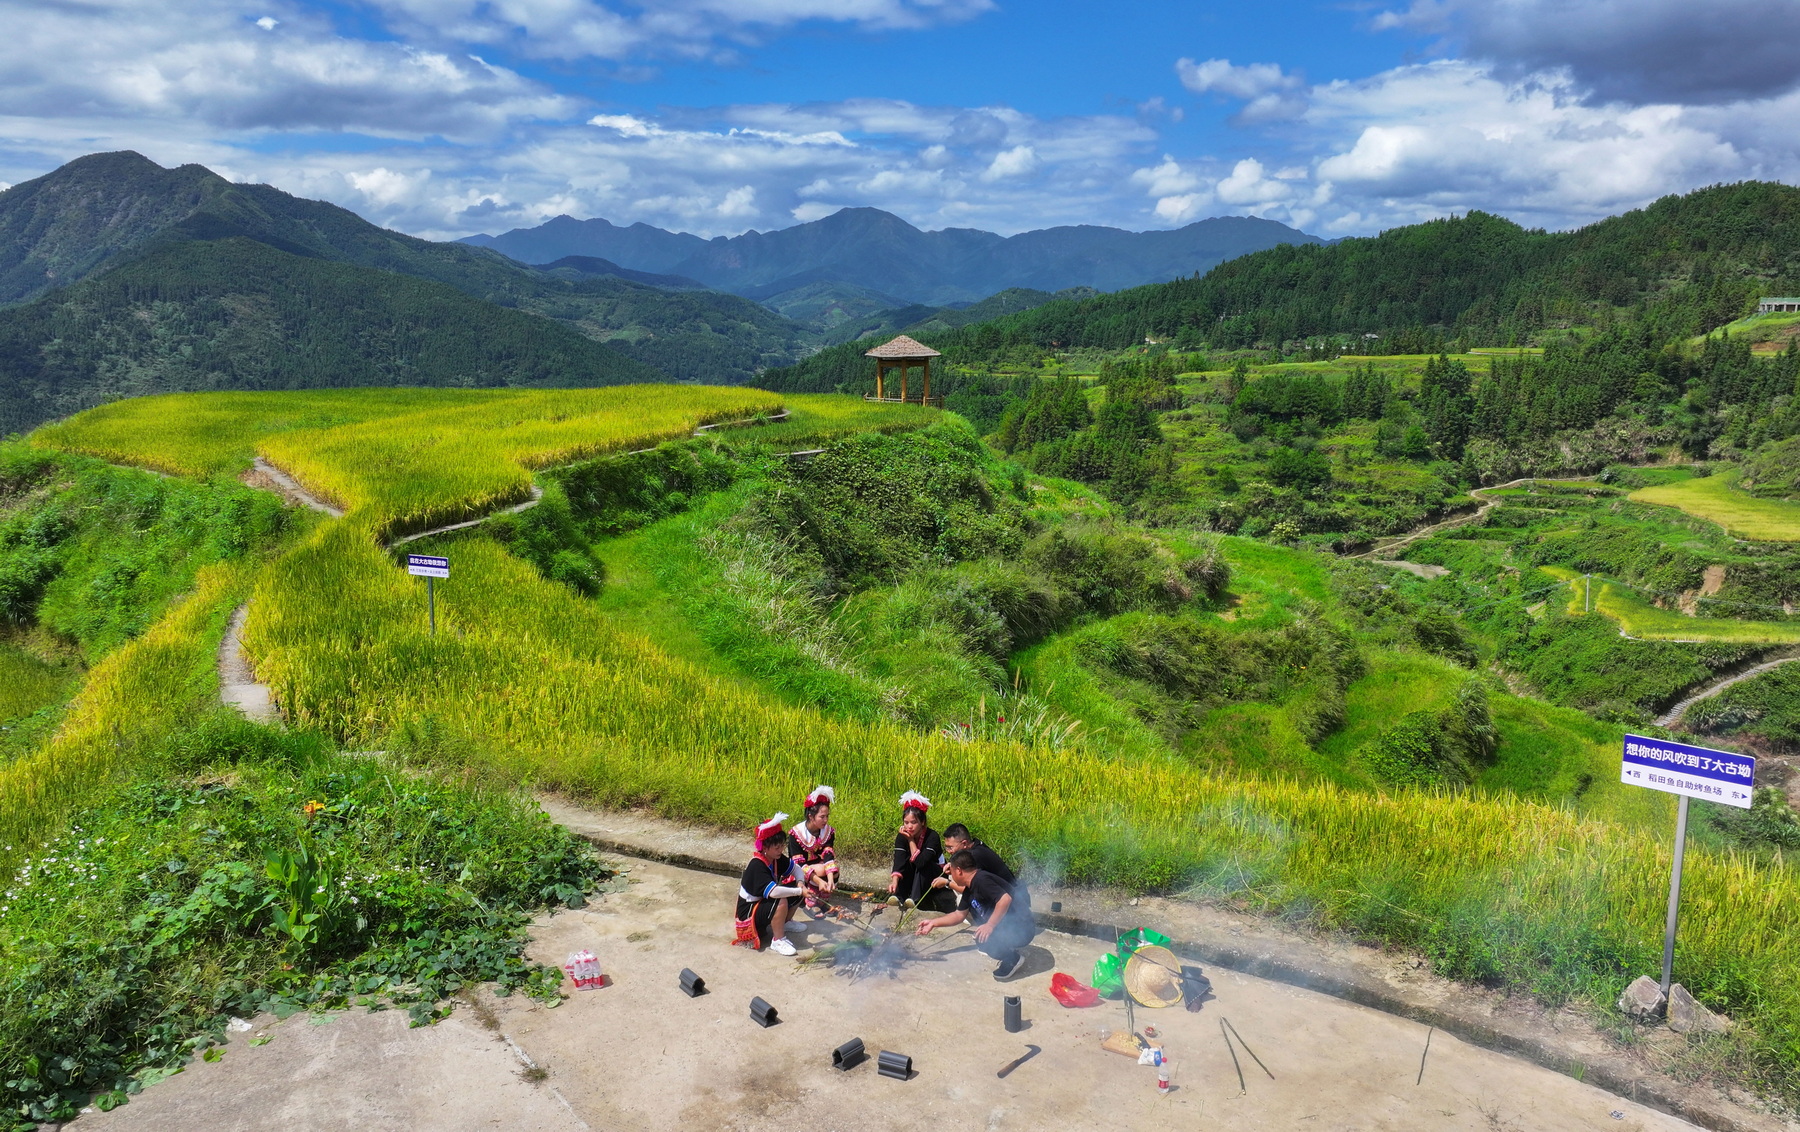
(903, 354)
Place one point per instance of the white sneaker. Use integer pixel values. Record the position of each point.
(782, 947)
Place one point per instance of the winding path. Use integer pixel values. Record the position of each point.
(238, 687)
(1386, 548)
(1707, 691)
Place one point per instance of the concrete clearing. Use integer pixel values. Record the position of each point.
(639, 1054)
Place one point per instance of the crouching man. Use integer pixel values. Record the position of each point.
(1002, 926)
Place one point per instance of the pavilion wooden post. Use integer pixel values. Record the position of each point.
(903, 354)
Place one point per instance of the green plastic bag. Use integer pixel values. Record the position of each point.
(1109, 975)
(1136, 938)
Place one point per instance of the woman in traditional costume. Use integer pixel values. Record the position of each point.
(918, 853)
(769, 892)
(812, 845)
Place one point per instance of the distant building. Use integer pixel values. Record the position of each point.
(1764, 306)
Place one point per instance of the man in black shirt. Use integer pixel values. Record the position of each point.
(1002, 925)
(957, 838)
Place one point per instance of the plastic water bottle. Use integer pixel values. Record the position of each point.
(584, 970)
(1162, 1080)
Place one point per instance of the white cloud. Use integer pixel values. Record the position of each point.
(1167, 179)
(1181, 209)
(739, 202)
(1222, 76)
(1019, 161)
(1635, 51)
(577, 29)
(1267, 91)
(212, 71)
(1448, 136)
(630, 126)
(1248, 186)
(813, 210)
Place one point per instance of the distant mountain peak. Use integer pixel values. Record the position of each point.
(873, 249)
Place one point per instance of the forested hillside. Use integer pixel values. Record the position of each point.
(102, 212)
(1680, 267)
(237, 314)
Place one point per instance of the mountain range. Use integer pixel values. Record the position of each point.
(871, 249)
(1681, 266)
(119, 277)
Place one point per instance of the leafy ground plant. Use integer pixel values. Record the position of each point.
(254, 870)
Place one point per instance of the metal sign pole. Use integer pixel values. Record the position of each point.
(1724, 778)
(431, 608)
(1681, 816)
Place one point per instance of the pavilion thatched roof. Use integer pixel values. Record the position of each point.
(903, 347)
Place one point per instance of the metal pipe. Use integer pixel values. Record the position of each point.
(691, 984)
(1015, 1020)
(763, 1013)
(1681, 816)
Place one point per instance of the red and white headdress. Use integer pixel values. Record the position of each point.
(770, 828)
(913, 800)
(821, 794)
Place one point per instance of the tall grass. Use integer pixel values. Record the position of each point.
(133, 697)
(1718, 500)
(528, 678)
(525, 677)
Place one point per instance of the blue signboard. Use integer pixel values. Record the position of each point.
(1696, 772)
(427, 566)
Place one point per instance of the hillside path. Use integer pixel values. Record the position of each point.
(1707, 691)
(238, 687)
(1386, 548)
(288, 488)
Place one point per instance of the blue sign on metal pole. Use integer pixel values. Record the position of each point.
(1725, 777)
(427, 566)
(1692, 772)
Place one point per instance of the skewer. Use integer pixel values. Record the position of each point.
(1251, 1052)
(1234, 1058)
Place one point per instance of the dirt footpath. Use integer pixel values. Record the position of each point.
(639, 1054)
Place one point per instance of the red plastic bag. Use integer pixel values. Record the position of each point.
(1070, 992)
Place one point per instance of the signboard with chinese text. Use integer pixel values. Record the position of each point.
(1696, 772)
(427, 566)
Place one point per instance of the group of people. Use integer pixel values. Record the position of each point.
(954, 875)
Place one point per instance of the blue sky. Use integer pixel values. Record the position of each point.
(445, 117)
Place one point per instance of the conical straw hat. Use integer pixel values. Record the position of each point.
(1152, 976)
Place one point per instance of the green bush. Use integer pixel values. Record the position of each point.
(873, 506)
(1435, 748)
(127, 942)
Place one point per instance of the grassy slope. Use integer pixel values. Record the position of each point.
(1638, 618)
(28, 683)
(1717, 500)
(528, 677)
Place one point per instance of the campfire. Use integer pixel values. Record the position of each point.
(880, 941)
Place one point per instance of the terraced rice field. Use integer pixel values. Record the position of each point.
(536, 683)
(1717, 500)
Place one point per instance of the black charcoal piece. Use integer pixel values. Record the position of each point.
(848, 1055)
(895, 1065)
(693, 985)
(763, 1013)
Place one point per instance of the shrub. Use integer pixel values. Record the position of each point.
(1435, 748)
